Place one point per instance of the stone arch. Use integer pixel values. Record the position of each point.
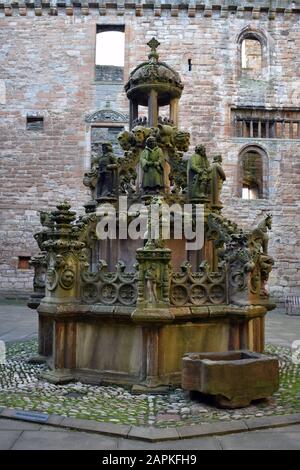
(106, 116)
(105, 125)
(254, 41)
(253, 172)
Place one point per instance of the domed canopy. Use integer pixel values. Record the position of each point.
(153, 76)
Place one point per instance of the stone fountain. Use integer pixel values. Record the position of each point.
(126, 311)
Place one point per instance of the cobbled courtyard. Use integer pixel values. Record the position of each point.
(22, 388)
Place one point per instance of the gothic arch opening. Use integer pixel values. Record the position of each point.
(251, 56)
(253, 173)
(252, 53)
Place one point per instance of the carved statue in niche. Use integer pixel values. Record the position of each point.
(199, 174)
(217, 179)
(90, 178)
(152, 284)
(152, 164)
(107, 185)
(259, 242)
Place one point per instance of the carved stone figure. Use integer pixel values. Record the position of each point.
(152, 163)
(140, 133)
(67, 278)
(166, 135)
(107, 181)
(126, 140)
(199, 174)
(151, 285)
(182, 140)
(217, 179)
(259, 241)
(90, 178)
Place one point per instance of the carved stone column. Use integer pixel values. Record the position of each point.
(152, 109)
(64, 255)
(153, 304)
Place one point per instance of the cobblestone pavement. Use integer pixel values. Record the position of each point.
(19, 323)
(22, 387)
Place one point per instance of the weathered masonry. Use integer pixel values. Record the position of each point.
(239, 62)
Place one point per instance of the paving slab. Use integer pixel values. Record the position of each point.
(8, 438)
(54, 420)
(17, 322)
(259, 440)
(149, 433)
(282, 329)
(54, 429)
(293, 428)
(11, 424)
(272, 421)
(90, 425)
(60, 440)
(211, 428)
(204, 443)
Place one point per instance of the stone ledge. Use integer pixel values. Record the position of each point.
(177, 313)
(254, 424)
(152, 434)
(121, 430)
(211, 429)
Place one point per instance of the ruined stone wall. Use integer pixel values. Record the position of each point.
(47, 68)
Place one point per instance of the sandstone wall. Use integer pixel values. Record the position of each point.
(47, 68)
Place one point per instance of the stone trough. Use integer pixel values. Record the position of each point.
(232, 378)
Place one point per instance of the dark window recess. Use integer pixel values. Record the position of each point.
(252, 167)
(103, 28)
(34, 123)
(23, 262)
(255, 129)
(104, 134)
(190, 64)
(109, 73)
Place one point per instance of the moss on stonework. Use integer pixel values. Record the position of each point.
(21, 388)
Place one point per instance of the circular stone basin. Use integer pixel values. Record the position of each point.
(233, 378)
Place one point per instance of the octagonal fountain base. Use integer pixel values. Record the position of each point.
(77, 340)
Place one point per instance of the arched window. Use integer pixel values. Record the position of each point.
(253, 173)
(252, 50)
(109, 58)
(252, 56)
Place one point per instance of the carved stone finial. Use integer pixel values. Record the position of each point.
(153, 44)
